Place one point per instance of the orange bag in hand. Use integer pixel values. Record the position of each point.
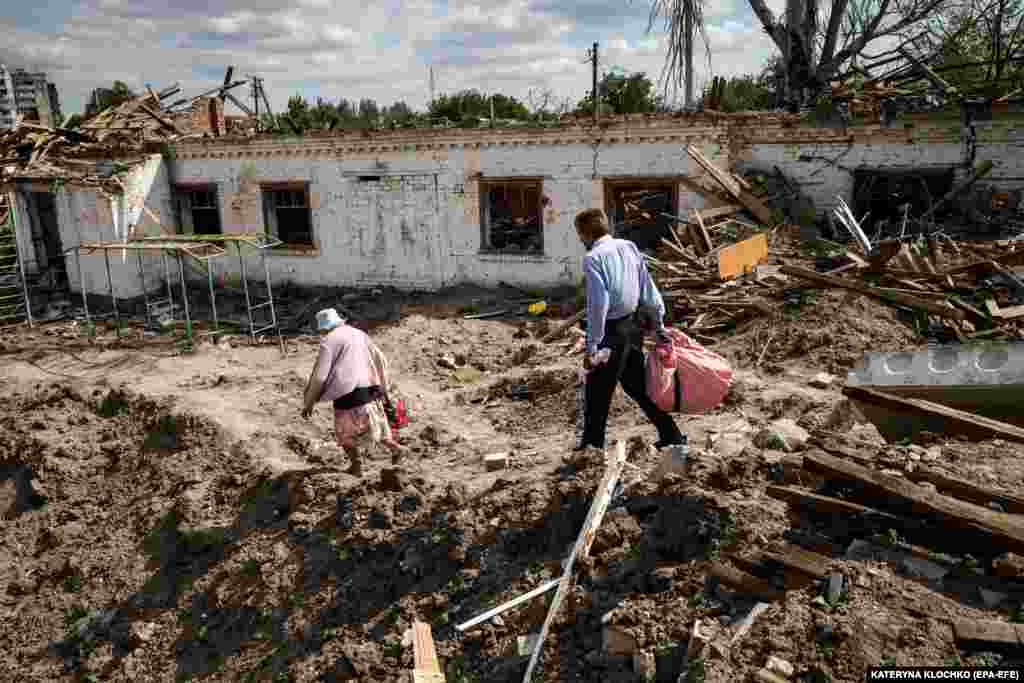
(685, 377)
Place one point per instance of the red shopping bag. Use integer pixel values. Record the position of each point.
(685, 377)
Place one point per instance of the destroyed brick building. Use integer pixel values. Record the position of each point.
(428, 208)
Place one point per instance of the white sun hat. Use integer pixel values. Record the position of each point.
(328, 319)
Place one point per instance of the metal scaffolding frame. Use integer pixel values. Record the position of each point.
(201, 248)
(14, 305)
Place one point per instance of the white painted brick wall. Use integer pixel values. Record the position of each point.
(421, 231)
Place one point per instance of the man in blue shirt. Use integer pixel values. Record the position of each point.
(617, 286)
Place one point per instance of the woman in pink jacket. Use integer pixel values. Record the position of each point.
(351, 372)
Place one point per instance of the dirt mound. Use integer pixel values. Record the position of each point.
(826, 330)
(153, 537)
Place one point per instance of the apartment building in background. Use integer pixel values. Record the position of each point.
(29, 94)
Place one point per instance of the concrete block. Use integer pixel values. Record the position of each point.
(496, 461)
(942, 366)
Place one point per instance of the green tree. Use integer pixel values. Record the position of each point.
(324, 116)
(623, 94)
(469, 106)
(347, 113)
(399, 114)
(120, 93)
(297, 118)
(745, 93)
(104, 98)
(978, 48)
(73, 121)
(369, 113)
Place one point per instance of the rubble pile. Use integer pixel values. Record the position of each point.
(103, 146)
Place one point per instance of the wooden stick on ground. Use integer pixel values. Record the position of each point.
(582, 547)
(1004, 529)
(558, 331)
(904, 299)
(426, 668)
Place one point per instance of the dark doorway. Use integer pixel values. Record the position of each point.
(883, 192)
(49, 252)
(635, 210)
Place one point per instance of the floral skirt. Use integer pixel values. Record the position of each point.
(362, 426)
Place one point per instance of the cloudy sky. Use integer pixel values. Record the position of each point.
(380, 49)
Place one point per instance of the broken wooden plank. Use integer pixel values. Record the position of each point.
(1003, 313)
(504, 607)
(700, 232)
(904, 299)
(745, 583)
(748, 621)
(1003, 528)
(698, 642)
(163, 121)
(792, 557)
(884, 252)
(980, 172)
(426, 668)
(833, 445)
(824, 504)
(965, 490)
(762, 564)
(953, 421)
(562, 327)
(972, 311)
(981, 633)
(582, 547)
(682, 254)
(738, 192)
(765, 675)
(1012, 258)
(718, 211)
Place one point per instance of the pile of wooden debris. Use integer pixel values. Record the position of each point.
(110, 142)
(713, 280)
(704, 282)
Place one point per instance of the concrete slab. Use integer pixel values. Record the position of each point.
(984, 380)
(942, 366)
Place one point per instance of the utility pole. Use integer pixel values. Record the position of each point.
(593, 93)
(256, 100)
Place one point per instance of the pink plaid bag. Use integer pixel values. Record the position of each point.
(685, 377)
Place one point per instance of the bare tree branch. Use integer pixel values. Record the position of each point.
(678, 15)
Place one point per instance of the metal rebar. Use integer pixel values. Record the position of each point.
(110, 290)
(213, 298)
(184, 298)
(81, 284)
(21, 265)
(270, 300)
(145, 291)
(245, 286)
(167, 280)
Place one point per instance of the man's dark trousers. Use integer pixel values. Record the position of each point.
(626, 365)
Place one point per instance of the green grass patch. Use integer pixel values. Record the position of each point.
(164, 435)
(72, 583)
(113, 404)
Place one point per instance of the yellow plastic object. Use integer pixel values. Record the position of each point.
(537, 308)
(742, 256)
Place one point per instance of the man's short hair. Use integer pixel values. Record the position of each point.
(591, 223)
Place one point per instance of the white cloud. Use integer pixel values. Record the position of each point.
(338, 48)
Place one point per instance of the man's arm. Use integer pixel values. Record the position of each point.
(649, 294)
(317, 378)
(597, 303)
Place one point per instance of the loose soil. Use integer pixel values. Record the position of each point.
(169, 516)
